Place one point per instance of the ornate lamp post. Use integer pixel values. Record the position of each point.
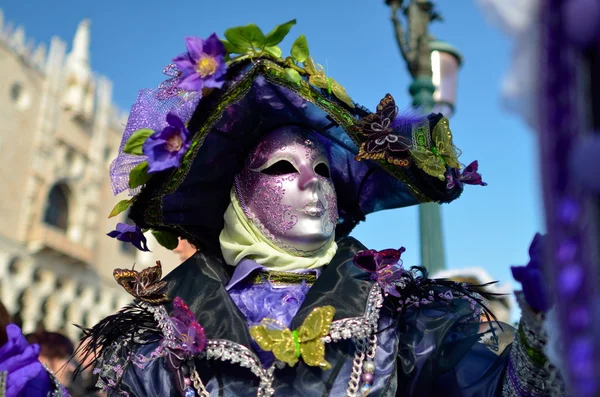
(433, 65)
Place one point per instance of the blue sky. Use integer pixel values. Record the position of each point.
(488, 226)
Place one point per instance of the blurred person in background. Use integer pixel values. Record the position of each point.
(185, 250)
(4, 321)
(84, 383)
(55, 352)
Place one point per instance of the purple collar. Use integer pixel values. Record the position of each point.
(247, 266)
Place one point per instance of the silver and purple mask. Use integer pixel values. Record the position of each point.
(285, 190)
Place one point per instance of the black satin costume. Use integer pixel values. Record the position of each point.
(433, 350)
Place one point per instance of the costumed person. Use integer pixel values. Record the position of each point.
(56, 351)
(554, 81)
(184, 249)
(21, 372)
(266, 165)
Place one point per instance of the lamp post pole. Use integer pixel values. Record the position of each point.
(416, 51)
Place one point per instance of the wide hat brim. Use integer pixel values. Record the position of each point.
(257, 98)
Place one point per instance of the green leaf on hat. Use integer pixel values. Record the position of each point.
(121, 206)
(292, 75)
(276, 35)
(299, 49)
(166, 239)
(273, 50)
(139, 175)
(136, 141)
(231, 49)
(249, 36)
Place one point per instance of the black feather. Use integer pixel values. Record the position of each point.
(131, 319)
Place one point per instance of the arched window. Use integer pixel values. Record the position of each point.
(57, 208)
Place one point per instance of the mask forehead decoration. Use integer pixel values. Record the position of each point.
(285, 190)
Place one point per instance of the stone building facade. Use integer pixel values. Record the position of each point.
(59, 131)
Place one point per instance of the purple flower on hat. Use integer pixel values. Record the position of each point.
(166, 148)
(531, 277)
(203, 65)
(130, 234)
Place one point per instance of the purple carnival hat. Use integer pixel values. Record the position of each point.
(185, 141)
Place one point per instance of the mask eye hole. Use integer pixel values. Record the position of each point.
(282, 167)
(323, 170)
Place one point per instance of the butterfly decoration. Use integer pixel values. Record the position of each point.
(318, 78)
(144, 285)
(305, 342)
(442, 153)
(381, 142)
(168, 88)
(187, 340)
(385, 267)
(189, 335)
(471, 176)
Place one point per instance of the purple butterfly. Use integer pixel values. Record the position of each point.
(168, 88)
(189, 341)
(469, 176)
(385, 267)
(190, 337)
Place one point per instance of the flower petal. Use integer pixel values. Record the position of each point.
(194, 46)
(213, 46)
(213, 83)
(366, 260)
(113, 234)
(389, 256)
(151, 143)
(162, 163)
(124, 228)
(139, 241)
(191, 82)
(182, 312)
(175, 121)
(183, 62)
(518, 272)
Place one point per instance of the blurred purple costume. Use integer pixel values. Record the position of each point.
(25, 375)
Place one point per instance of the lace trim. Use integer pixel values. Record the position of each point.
(358, 328)
(224, 350)
(58, 390)
(3, 377)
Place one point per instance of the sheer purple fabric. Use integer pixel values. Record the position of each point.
(147, 112)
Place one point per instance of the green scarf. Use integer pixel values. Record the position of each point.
(241, 239)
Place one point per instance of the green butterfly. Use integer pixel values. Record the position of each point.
(434, 159)
(318, 78)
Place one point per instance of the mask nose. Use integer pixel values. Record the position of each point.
(308, 179)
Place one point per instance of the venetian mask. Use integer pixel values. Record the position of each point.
(285, 190)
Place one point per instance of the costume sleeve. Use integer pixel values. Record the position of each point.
(445, 351)
(122, 371)
(529, 372)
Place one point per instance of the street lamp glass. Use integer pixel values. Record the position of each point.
(445, 75)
